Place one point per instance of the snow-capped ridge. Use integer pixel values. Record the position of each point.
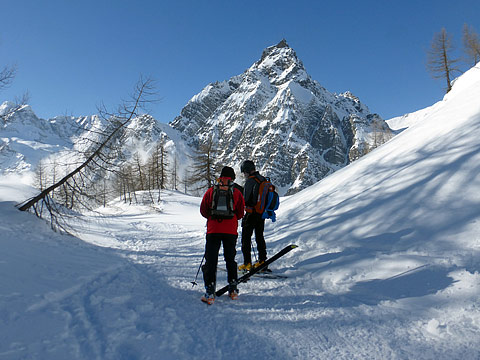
(280, 64)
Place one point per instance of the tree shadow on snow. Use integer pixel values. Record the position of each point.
(418, 209)
(418, 282)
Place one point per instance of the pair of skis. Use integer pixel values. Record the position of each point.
(254, 271)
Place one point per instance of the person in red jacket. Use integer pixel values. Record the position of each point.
(221, 231)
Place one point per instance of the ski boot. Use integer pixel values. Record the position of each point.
(209, 296)
(232, 290)
(209, 299)
(245, 267)
(260, 263)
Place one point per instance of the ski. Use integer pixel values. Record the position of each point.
(254, 271)
(267, 274)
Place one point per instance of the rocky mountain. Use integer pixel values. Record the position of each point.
(26, 139)
(274, 113)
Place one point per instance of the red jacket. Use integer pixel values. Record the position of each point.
(222, 226)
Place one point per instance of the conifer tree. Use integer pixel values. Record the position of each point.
(440, 62)
(471, 44)
(204, 166)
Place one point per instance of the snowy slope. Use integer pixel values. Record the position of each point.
(403, 122)
(387, 265)
(414, 200)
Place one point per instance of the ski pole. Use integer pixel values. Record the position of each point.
(194, 282)
(254, 248)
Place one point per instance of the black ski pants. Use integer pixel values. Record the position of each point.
(253, 223)
(212, 248)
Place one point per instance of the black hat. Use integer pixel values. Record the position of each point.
(247, 166)
(227, 171)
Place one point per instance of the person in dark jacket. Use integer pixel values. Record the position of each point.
(221, 231)
(252, 222)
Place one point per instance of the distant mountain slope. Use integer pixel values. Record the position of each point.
(25, 139)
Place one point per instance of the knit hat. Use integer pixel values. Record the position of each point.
(227, 171)
(247, 166)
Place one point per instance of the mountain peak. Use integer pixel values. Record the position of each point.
(296, 131)
(281, 63)
(282, 44)
(275, 50)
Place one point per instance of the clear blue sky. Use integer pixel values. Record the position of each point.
(73, 55)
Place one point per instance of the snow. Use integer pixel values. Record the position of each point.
(387, 265)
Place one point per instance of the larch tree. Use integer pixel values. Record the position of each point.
(440, 62)
(204, 165)
(471, 45)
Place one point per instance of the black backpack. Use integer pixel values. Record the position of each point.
(222, 200)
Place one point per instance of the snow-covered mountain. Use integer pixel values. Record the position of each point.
(26, 140)
(275, 114)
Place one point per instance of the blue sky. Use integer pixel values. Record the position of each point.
(73, 55)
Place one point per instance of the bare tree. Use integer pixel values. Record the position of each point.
(185, 181)
(139, 172)
(127, 179)
(97, 162)
(175, 178)
(124, 182)
(159, 163)
(439, 62)
(7, 74)
(471, 44)
(41, 175)
(204, 165)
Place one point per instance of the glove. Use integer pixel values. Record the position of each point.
(245, 219)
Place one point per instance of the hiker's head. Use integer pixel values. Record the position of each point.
(247, 167)
(227, 171)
